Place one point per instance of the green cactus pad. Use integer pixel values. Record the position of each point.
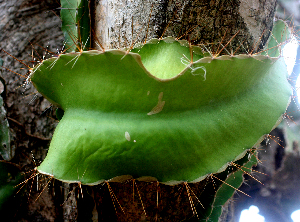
(75, 19)
(157, 114)
(6, 150)
(234, 180)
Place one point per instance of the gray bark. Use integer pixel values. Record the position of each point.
(120, 23)
(27, 28)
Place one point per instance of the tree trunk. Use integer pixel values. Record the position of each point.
(121, 23)
(28, 28)
(33, 26)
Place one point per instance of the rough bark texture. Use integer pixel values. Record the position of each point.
(28, 24)
(120, 23)
(28, 28)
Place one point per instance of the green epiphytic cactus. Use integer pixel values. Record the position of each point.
(5, 149)
(162, 110)
(75, 10)
(231, 182)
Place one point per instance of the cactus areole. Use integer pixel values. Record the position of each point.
(157, 112)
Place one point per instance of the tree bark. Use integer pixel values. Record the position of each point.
(27, 29)
(121, 23)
